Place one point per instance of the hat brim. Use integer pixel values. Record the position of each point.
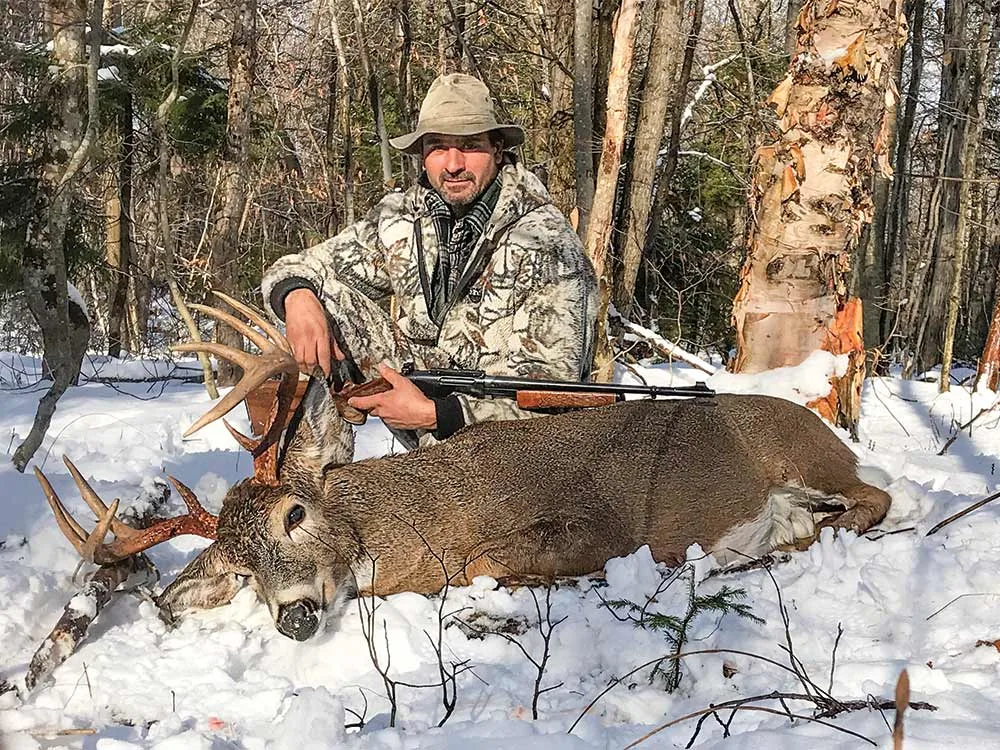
(513, 135)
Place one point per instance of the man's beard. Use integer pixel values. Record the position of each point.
(463, 200)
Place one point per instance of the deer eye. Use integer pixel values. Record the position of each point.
(295, 516)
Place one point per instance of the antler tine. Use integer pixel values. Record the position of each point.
(261, 341)
(202, 522)
(256, 370)
(94, 548)
(246, 442)
(257, 317)
(67, 524)
(240, 357)
(94, 501)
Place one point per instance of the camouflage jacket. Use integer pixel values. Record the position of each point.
(525, 305)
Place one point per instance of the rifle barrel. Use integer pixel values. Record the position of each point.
(478, 383)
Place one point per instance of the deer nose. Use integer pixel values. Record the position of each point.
(299, 619)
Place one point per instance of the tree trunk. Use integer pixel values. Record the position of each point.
(374, 97)
(163, 198)
(405, 83)
(599, 230)
(943, 239)
(67, 148)
(556, 140)
(583, 111)
(987, 40)
(225, 238)
(343, 85)
(121, 263)
(896, 228)
(665, 50)
(811, 196)
(792, 26)
(669, 158)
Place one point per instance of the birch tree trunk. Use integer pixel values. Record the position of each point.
(599, 239)
(810, 195)
(68, 138)
(665, 50)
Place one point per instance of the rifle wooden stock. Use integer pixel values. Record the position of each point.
(557, 400)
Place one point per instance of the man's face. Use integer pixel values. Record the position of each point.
(460, 167)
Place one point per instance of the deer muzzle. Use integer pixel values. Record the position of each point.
(298, 619)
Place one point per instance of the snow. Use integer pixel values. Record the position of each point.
(71, 291)
(226, 678)
(110, 73)
(83, 605)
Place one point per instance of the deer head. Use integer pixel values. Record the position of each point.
(271, 529)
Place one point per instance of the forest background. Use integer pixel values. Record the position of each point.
(741, 172)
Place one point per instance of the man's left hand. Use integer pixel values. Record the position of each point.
(405, 407)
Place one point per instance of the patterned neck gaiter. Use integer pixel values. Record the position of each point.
(456, 239)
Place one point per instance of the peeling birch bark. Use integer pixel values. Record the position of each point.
(810, 197)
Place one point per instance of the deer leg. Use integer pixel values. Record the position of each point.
(866, 506)
(556, 547)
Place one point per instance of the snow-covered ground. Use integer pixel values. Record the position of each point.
(226, 678)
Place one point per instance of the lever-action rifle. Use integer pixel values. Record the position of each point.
(528, 392)
(538, 394)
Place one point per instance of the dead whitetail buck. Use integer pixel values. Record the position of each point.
(558, 495)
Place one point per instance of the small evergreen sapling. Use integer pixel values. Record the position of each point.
(676, 628)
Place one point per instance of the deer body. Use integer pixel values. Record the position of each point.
(558, 495)
(563, 494)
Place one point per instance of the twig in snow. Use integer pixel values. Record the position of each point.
(361, 717)
(545, 628)
(79, 732)
(961, 513)
(368, 626)
(963, 427)
(762, 709)
(449, 674)
(960, 596)
(665, 348)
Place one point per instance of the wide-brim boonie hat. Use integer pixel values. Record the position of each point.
(457, 104)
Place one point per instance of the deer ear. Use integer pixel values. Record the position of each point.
(316, 437)
(210, 580)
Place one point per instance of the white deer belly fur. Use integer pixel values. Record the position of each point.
(786, 517)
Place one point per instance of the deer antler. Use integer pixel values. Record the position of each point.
(128, 541)
(276, 358)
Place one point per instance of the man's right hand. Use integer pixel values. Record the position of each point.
(307, 331)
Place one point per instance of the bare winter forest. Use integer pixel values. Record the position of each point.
(751, 179)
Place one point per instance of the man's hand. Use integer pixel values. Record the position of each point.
(405, 407)
(307, 331)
